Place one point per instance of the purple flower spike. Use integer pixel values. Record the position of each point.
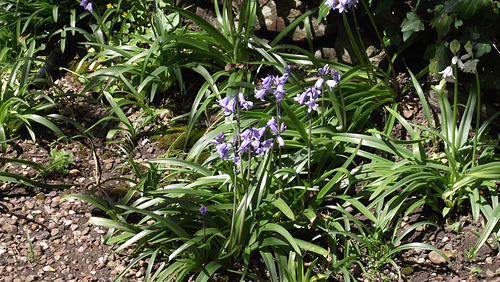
(203, 210)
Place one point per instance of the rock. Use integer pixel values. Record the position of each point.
(489, 260)
(48, 268)
(54, 231)
(436, 258)
(490, 273)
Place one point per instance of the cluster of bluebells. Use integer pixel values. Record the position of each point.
(273, 84)
(253, 140)
(341, 5)
(311, 95)
(87, 5)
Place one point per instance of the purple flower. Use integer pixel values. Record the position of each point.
(244, 104)
(280, 140)
(312, 105)
(319, 83)
(268, 82)
(258, 132)
(203, 210)
(228, 104)
(219, 138)
(267, 144)
(283, 79)
(87, 5)
(223, 150)
(326, 69)
(301, 98)
(272, 123)
(341, 5)
(260, 93)
(279, 93)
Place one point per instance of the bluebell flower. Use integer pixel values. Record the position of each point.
(244, 104)
(260, 93)
(272, 124)
(341, 5)
(219, 138)
(279, 93)
(319, 83)
(203, 210)
(326, 69)
(228, 104)
(223, 150)
(271, 81)
(312, 105)
(267, 82)
(87, 5)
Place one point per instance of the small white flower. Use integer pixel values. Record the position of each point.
(470, 66)
(447, 72)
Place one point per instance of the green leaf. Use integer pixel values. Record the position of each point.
(284, 208)
(273, 227)
(466, 8)
(411, 24)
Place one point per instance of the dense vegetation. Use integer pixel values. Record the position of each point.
(289, 160)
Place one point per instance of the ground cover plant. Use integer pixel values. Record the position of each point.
(285, 166)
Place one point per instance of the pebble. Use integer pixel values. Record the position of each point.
(490, 273)
(54, 232)
(489, 260)
(48, 268)
(436, 258)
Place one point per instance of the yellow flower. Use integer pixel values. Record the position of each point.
(109, 6)
(124, 15)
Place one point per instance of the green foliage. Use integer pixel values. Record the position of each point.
(330, 200)
(60, 161)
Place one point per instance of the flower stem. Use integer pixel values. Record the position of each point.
(478, 118)
(386, 51)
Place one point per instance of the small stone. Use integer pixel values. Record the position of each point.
(490, 273)
(54, 232)
(48, 268)
(436, 258)
(489, 260)
(445, 239)
(421, 261)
